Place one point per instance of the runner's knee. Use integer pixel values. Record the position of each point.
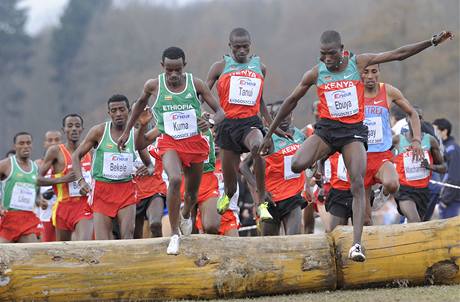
(391, 186)
(175, 182)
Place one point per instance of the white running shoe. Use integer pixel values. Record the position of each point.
(173, 247)
(186, 225)
(356, 253)
(380, 199)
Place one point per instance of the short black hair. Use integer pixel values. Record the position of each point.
(443, 124)
(72, 115)
(331, 36)
(173, 53)
(20, 133)
(118, 98)
(239, 32)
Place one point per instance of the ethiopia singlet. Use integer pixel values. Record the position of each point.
(210, 163)
(410, 172)
(240, 88)
(19, 189)
(66, 191)
(281, 182)
(377, 120)
(341, 94)
(176, 113)
(110, 165)
(338, 172)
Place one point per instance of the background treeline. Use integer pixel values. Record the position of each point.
(101, 49)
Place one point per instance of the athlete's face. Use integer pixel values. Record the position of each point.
(118, 112)
(23, 146)
(52, 138)
(240, 47)
(73, 128)
(370, 76)
(331, 55)
(173, 69)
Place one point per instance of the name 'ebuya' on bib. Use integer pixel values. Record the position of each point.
(176, 113)
(110, 165)
(19, 189)
(240, 87)
(341, 94)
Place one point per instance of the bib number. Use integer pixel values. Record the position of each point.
(117, 166)
(327, 171)
(180, 124)
(74, 188)
(413, 170)
(23, 196)
(288, 174)
(342, 169)
(343, 102)
(244, 91)
(374, 125)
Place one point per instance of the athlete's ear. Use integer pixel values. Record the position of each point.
(185, 63)
(162, 64)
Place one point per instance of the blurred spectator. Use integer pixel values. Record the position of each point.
(450, 197)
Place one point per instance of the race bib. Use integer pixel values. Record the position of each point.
(288, 174)
(74, 188)
(343, 102)
(244, 90)
(180, 124)
(341, 169)
(23, 196)
(117, 165)
(327, 171)
(413, 170)
(375, 128)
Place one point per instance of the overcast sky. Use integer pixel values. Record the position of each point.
(44, 13)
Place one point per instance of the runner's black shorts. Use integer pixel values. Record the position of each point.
(340, 203)
(420, 196)
(282, 208)
(232, 132)
(143, 205)
(337, 134)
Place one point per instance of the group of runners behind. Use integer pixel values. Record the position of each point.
(126, 171)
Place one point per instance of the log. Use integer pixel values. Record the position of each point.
(208, 267)
(213, 266)
(401, 255)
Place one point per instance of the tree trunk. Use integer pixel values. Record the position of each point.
(213, 266)
(208, 267)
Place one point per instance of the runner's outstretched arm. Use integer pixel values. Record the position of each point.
(308, 79)
(136, 111)
(398, 98)
(51, 156)
(207, 97)
(402, 52)
(91, 140)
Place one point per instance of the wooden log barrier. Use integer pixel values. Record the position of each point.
(401, 255)
(208, 267)
(213, 266)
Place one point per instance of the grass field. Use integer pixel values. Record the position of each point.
(418, 294)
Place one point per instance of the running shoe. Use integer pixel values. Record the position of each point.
(186, 225)
(223, 204)
(264, 214)
(173, 247)
(356, 253)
